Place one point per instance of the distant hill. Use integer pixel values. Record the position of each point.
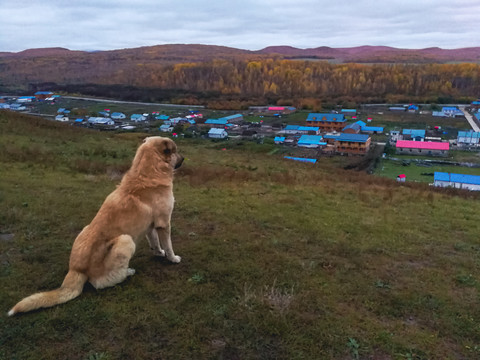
(379, 54)
(55, 51)
(172, 53)
(165, 53)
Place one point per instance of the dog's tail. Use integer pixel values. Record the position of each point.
(72, 287)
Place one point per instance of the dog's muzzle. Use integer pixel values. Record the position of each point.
(179, 163)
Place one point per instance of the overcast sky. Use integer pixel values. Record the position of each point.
(246, 24)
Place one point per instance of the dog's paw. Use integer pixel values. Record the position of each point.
(175, 259)
(158, 252)
(130, 271)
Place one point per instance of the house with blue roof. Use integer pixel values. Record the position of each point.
(166, 128)
(78, 122)
(100, 121)
(279, 139)
(233, 118)
(356, 144)
(62, 117)
(360, 126)
(311, 141)
(468, 138)
(354, 128)
(327, 121)
(448, 111)
(138, 117)
(364, 128)
(216, 123)
(215, 133)
(397, 108)
(25, 99)
(331, 137)
(349, 112)
(301, 130)
(413, 134)
(458, 181)
(118, 116)
(17, 107)
(162, 117)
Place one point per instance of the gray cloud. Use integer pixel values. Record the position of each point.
(248, 24)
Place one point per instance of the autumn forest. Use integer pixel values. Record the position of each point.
(238, 81)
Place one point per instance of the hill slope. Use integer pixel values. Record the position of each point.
(380, 54)
(280, 260)
(196, 52)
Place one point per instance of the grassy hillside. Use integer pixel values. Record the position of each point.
(279, 259)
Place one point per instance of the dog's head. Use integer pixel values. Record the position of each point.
(166, 150)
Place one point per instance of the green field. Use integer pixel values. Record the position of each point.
(280, 260)
(397, 164)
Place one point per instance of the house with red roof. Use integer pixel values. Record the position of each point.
(426, 148)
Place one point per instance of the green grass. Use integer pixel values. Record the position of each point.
(406, 164)
(413, 172)
(279, 259)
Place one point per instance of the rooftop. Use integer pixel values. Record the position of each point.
(353, 137)
(458, 178)
(310, 139)
(216, 131)
(326, 117)
(424, 145)
(216, 121)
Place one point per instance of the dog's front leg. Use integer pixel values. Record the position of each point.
(166, 243)
(152, 238)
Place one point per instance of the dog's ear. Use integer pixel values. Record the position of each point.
(168, 147)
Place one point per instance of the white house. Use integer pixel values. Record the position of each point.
(24, 99)
(215, 133)
(166, 128)
(100, 121)
(61, 117)
(18, 107)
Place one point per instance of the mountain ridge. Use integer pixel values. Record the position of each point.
(364, 53)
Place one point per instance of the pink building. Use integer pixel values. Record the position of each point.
(427, 148)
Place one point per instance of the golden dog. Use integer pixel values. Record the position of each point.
(140, 206)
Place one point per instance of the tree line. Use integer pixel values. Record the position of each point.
(243, 82)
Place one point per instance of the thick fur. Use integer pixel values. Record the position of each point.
(140, 206)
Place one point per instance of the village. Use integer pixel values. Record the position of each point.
(338, 132)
